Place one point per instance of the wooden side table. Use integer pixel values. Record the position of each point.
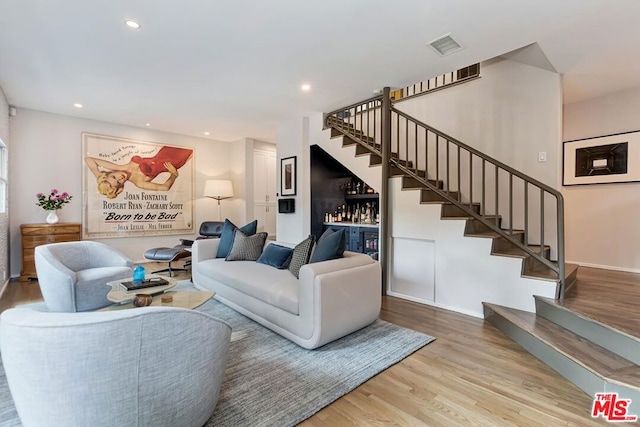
(40, 234)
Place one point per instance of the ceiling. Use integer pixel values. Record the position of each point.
(234, 68)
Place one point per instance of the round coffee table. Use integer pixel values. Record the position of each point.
(181, 299)
(120, 296)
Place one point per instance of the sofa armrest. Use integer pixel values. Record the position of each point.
(204, 249)
(349, 260)
(344, 295)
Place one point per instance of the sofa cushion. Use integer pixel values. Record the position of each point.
(330, 246)
(301, 254)
(272, 286)
(226, 238)
(276, 256)
(246, 248)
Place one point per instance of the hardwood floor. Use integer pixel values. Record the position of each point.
(471, 375)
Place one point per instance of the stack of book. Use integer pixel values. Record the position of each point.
(130, 286)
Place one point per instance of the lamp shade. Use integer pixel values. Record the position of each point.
(218, 189)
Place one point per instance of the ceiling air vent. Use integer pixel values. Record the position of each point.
(445, 45)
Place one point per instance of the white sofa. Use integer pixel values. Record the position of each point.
(330, 299)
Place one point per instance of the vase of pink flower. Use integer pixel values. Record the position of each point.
(53, 202)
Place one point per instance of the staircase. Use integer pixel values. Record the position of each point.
(456, 179)
(439, 182)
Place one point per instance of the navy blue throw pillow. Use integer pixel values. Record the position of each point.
(276, 256)
(226, 238)
(330, 246)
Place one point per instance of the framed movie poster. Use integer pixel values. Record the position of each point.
(602, 160)
(132, 188)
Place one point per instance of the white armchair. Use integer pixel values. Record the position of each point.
(151, 366)
(73, 275)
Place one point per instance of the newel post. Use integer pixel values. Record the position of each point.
(384, 193)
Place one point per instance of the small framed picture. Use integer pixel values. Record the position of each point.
(602, 159)
(288, 176)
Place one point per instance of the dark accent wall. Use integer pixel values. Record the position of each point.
(328, 182)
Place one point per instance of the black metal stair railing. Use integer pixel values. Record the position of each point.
(486, 189)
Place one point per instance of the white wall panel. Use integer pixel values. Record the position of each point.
(413, 268)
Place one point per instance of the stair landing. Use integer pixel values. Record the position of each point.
(609, 297)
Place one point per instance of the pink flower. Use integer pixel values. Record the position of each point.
(38, 195)
(64, 195)
(54, 191)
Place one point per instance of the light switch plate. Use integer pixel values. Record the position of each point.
(542, 156)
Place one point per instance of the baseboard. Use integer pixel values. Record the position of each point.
(435, 304)
(605, 267)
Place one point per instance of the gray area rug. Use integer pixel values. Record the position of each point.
(270, 381)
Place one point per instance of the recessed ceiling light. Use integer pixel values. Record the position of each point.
(77, 105)
(207, 133)
(147, 124)
(132, 24)
(306, 87)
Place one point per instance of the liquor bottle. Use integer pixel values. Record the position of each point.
(349, 214)
(365, 188)
(358, 188)
(356, 214)
(367, 214)
(326, 217)
(338, 215)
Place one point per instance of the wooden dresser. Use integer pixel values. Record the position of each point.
(39, 234)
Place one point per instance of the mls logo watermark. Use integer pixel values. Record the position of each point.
(612, 408)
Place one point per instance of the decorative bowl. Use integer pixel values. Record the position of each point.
(142, 300)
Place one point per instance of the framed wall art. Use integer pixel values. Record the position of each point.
(602, 160)
(133, 188)
(288, 176)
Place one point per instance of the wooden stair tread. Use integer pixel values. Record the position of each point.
(490, 234)
(598, 360)
(514, 251)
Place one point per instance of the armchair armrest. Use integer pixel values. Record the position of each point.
(186, 242)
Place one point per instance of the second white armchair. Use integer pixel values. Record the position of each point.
(73, 275)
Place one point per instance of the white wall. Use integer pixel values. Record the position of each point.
(46, 152)
(511, 114)
(293, 140)
(4, 217)
(602, 219)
